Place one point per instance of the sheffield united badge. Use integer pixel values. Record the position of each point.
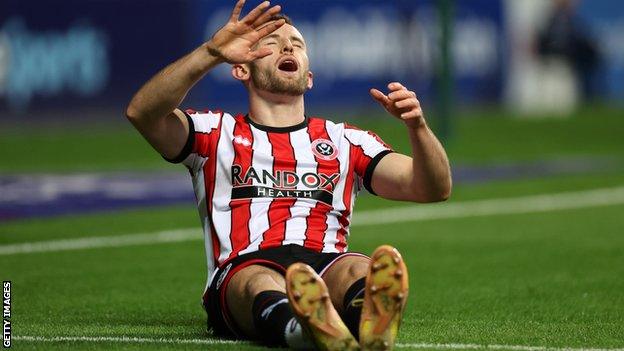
(324, 149)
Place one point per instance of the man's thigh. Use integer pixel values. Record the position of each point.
(342, 274)
(242, 289)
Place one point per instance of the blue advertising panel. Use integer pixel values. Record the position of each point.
(72, 53)
(604, 21)
(92, 55)
(354, 45)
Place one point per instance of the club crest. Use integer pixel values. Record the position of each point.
(324, 149)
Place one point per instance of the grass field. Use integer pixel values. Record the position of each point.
(540, 279)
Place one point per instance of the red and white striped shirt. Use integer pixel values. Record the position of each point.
(259, 187)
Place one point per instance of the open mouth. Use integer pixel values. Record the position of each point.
(288, 65)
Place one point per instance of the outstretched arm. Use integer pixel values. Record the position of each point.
(154, 108)
(424, 177)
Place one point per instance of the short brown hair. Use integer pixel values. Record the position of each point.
(280, 16)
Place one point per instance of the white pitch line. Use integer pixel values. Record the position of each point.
(412, 213)
(491, 207)
(166, 236)
(454, 346)
(126, 339)
(413, 346)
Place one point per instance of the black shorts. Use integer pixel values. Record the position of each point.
(278, 258)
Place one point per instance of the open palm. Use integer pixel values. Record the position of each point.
(235, 41)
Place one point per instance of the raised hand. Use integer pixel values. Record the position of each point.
(234, 42)
(401, 103)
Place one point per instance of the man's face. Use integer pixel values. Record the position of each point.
(287, 69)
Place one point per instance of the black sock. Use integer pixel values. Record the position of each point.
(352, 306)
(271, 313)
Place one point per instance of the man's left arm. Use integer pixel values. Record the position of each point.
(424, 177)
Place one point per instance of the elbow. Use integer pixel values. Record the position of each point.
(440, 193)
(443, 196)
(446, 190)
(136, 110)
(136, 116)
(434, 197)
(444, 193)
(132, 113)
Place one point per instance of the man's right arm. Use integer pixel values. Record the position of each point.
(154, 108)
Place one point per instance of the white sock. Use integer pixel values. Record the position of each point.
(295, 336)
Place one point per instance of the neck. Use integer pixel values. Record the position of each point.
(274, 110)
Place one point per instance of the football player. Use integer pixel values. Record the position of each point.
(275, 191)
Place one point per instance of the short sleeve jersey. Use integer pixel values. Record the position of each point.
(259, 187)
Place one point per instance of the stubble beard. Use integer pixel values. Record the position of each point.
(267, 79)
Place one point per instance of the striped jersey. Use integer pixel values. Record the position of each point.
(259, 187)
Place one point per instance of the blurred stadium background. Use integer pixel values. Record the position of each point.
(100, 237)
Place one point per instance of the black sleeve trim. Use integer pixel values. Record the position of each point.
(368, 175)
(188, 147)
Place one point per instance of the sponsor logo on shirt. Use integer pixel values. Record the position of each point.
(254, 183)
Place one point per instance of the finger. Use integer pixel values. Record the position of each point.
(255, 13)
(266, 16)
(380, 97)
(410, 114)
(270, 27)
(394, 86)
(237, 10)
(400, 95)
(407, 103)
(260, 53)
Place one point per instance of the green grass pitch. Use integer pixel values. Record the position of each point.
(544, 279)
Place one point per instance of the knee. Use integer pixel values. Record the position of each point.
(359, 268)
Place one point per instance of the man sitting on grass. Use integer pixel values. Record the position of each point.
(275, 190)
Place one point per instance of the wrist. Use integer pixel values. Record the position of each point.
(415, 123)
(212, 50)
